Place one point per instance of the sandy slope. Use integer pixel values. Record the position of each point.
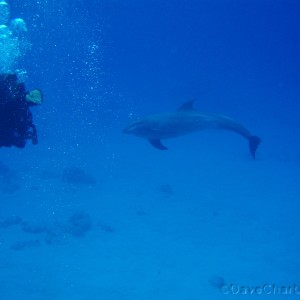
(222, 214)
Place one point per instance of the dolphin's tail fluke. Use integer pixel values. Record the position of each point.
(254, 141)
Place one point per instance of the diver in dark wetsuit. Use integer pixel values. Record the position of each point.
(16, 125)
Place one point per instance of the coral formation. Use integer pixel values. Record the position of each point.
(106, 228)
(217, 281)
(25, 244)
(10, 221)
(34, 228)
(79, 224)
(166, 189)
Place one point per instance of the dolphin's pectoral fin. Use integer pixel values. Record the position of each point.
(157, 144)
(187, 105)
(254, 141)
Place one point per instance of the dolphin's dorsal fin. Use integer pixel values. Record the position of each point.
(189, 105)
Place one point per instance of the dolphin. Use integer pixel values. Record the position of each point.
(185, 120)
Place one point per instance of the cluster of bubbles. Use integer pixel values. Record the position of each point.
(13, 40)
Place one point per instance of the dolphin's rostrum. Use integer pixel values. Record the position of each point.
(183, 121)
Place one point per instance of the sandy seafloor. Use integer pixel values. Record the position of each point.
(164, 224)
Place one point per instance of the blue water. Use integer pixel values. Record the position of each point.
(91, 213)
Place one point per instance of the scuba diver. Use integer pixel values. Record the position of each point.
(16, 124)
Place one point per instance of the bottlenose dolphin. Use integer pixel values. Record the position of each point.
(183, 121)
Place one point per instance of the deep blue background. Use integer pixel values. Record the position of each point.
(231, 55)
